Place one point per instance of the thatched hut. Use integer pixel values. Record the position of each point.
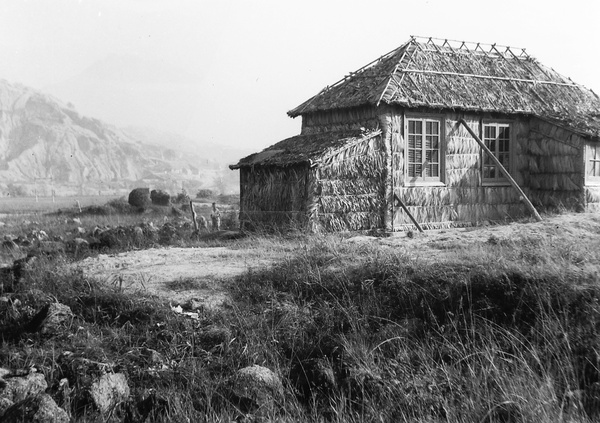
(447, 133)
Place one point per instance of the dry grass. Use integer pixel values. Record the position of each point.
(500, 328)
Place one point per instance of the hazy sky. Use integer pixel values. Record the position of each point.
(227, 71)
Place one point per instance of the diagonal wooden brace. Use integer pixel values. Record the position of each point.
(504, 171)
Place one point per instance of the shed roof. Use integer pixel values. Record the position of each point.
(444, 74)
(308, 149)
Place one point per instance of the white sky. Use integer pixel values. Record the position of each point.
(255, 60)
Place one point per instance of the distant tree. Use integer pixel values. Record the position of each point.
(204, 193)
(160, 197)
(16, 190)
(139, 197)
(182, 197)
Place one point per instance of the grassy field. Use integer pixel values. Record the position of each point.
(448, 327)
(48, 204)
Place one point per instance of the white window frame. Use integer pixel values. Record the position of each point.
(425, 180)
(592, 160)
(499, 179)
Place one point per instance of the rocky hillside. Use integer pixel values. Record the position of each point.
(45, 144)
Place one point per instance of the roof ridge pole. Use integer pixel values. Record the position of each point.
(504, 171)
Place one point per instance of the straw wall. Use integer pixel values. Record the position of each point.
(462, 201)
(555, 167)
(349, 188)
(340, 120)
(273, 196)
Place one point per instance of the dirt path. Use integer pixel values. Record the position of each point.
(180, 274)
(176, 274)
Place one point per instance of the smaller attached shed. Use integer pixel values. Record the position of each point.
(445, 133)
(328, 180)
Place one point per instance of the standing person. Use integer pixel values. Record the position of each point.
(215, 216)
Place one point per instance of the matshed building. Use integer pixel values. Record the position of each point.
(405, 136)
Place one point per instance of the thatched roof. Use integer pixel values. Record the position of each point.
(445, 74)
(309, 149)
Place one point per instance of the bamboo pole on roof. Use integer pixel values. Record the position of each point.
(504, 171)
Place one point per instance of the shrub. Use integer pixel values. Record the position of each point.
(204, 193)
(139, 197)
(119, 205)
(160, 197)
(182, 197)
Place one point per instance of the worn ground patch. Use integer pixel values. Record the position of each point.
(175, 274)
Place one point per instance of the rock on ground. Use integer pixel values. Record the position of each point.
(108, 391)
(50, 319)
(39, 408)
(256, 388)
(17, 388)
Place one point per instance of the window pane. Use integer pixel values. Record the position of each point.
(418, 156)
(418, 170)
(411, 155)
(434, 156)
(411, 141)
(411, 126)
(433, 170)
(432, 141)
(415, 127)
(418, 141)
(432, 128)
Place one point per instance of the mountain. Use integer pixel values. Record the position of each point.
(211, 152)
(45, 144)
(129, 90)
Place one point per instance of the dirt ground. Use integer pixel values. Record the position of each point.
(180, 274)
(176, 274)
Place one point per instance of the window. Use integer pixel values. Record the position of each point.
(423, 158)
(592, 164)
(496, 137)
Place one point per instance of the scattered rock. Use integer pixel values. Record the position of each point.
(50, 248)
(76, 221)
(138, 233)
(109, 391)
(214, 337)
(314, 378)
(75, 367)
(40, 408)
(5, 404)
(17, 388)
(150, 356)
(78, 245)
(50, 319)
(193, 304)
(256, 388)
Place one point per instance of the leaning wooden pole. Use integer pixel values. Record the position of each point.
(194, 217)
(408, 213)
(504, 171)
